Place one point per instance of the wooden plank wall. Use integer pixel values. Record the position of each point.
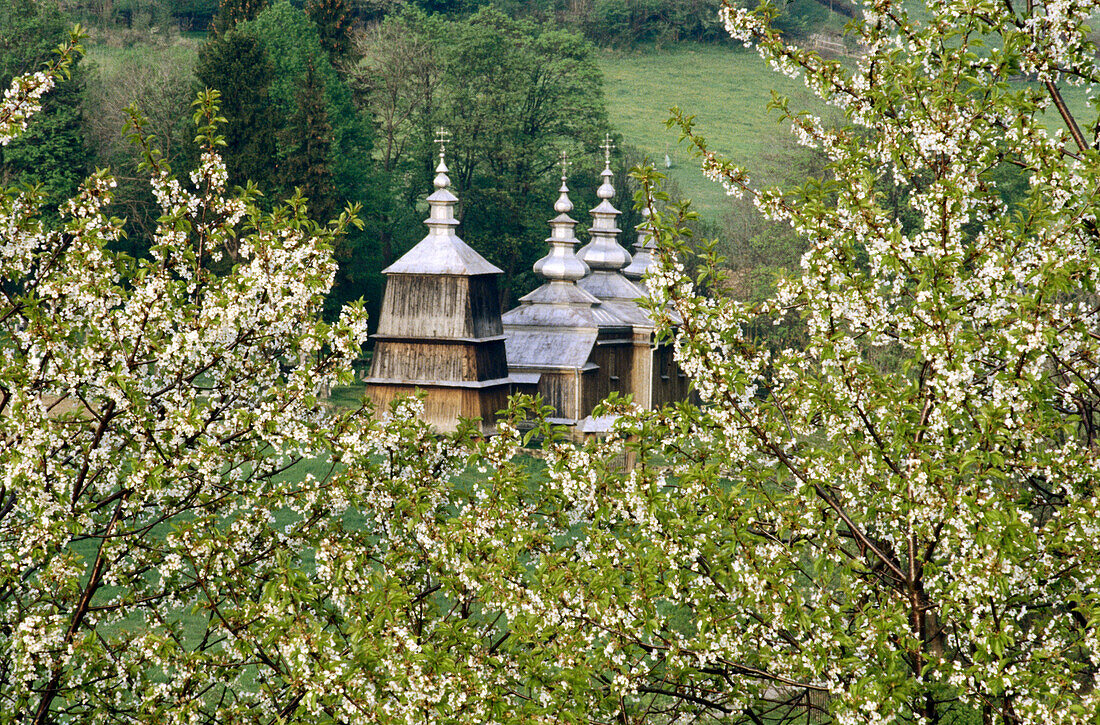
(484, 306)
(559, 390)
(431, 306)
(442, 406)
(669, 382)
(616, 364)
(439, 361)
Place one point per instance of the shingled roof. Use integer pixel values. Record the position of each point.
(442, 252)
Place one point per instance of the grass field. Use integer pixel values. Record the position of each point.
(727, 89)
(108, 58)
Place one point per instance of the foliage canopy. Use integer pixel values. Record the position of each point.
(896, 523)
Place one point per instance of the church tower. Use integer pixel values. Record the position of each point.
(605, 256)
(619, 295)
(440, 330)
(642, 261)
(562, 343)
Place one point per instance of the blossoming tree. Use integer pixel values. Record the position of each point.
(186, 533)
(898, 522)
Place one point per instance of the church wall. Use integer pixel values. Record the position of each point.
(442, 406)
(669, 382)
(484, 309)
(559, 389)
(427, 306)
(641, 369)
(486, 404)
(590, 391)
(616, 362)
(439, 360)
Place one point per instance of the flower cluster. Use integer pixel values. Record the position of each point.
(22, 100)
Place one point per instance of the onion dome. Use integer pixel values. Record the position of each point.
(561, 264)
(603, 252)
(643, 249)
(441, 251)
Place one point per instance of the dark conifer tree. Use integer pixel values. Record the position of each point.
(308, 142)
(231, 12)
(237, 65)
(52, 152)
(333, 19)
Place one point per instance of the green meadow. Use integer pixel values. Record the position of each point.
(727, 89)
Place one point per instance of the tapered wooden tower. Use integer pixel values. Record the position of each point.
(562, 343)
(439, 330)
(655, 378)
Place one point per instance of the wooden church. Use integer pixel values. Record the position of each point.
(439, 330)
(576, 338)
(562, 342)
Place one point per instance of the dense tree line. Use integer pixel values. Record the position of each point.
(517, 72)
(344, 112)
(341, 99)
(616, 23)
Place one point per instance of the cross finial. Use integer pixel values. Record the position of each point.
(607, 147)
(442, 138)
(564, 165)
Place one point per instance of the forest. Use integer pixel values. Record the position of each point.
(340, 99)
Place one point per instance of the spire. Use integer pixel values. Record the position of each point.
(441, 219)
(603, 252)
(561, 264)
(441, 251)
(643, 249)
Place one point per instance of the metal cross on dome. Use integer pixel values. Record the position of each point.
(442, 138)
(607, 147)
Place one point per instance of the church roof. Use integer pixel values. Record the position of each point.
(630, 312)
(442, 255)
(559, 292)
(442, 252)
(549, 347)
(555, 315)
(610, 286)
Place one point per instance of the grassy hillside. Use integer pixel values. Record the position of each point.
(727, 89)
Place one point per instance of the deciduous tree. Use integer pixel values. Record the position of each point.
(895, 523)
(159, 81)
(511, 94)
(187, 533)
(146, 410)
(260, 66)
(52, 152)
